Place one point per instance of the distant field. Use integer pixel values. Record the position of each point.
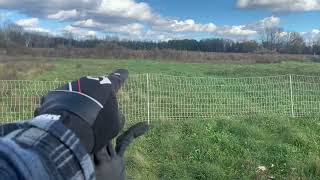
(73, 68)
(61, 69)
(227, 147)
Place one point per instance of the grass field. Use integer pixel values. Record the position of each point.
(72, 68)
(217, 148)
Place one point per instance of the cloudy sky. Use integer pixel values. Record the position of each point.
(163, 19)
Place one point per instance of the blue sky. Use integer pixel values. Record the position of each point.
(225, 12)
(164, 19)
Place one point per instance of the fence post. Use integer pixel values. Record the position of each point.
(148, 99)
(291, 96)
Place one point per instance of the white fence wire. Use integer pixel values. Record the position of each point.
(161, 97)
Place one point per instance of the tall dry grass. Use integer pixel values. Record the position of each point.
(14, 67)
(116, 52)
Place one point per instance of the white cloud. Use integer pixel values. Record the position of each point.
(281, 5)
(236, 32)
(249, 31)
(188, 25)
(89, 35)
(45, 7)
(63, 15)
(89, 23)
(27, 23)
(40, 30)
(127, 18)
(315, 31)
(134, 30)
(131, 29)
(283, 34)
(163, 29)
(92, 33)
(32, 25)
(267, 22)
(163, 36)
(77, 32)
(312, 36)
(125, 9)
(71, 29)
(86, 13)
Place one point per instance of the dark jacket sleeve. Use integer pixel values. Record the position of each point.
(43, 148)
(7, 172)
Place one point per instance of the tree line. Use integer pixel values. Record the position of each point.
(270, 40)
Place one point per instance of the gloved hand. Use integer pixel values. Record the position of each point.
(6, 129)
(89, 108)
(109, 162)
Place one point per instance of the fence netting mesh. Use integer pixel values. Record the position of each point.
(153, 97)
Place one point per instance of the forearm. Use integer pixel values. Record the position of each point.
(45, 149)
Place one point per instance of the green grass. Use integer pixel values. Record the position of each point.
(215, 148)
(74, 68)
(229, 148)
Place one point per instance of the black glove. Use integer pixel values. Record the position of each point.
(88, 107)
(10, 127)
(109, 162)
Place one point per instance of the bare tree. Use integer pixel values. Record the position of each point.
(27, 39)
(13, 34)
(297, 43)
(316, 45)
(2, 38)
(271, 38)
(70, 37)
